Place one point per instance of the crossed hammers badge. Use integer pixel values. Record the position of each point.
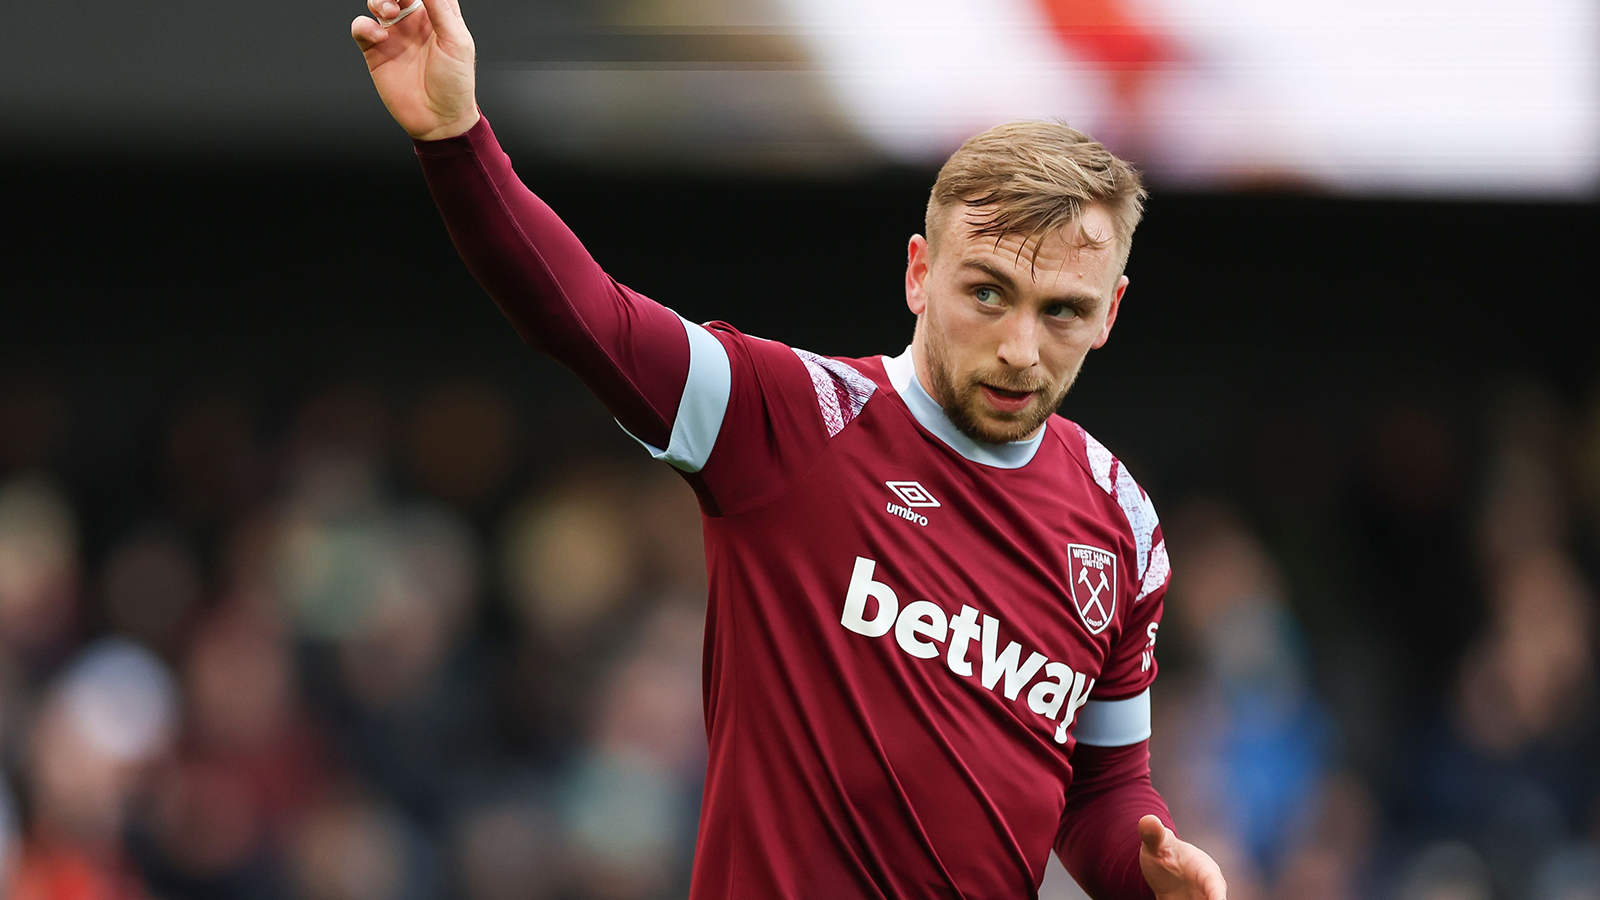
(1093, 574)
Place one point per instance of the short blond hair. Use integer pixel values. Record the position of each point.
(1034, 177)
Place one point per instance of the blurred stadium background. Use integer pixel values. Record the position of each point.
(314, 583)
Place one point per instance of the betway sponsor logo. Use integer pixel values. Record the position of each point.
(922, 626)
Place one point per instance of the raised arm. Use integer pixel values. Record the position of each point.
(632, 352)
(681, 389)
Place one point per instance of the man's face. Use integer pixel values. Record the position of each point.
(999, 340)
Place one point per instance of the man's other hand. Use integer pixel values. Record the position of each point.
(1177, 870)
(422, 66)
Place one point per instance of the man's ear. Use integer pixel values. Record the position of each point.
(1111, 314)
(917, 262)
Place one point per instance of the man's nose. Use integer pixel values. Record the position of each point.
(1019, 341)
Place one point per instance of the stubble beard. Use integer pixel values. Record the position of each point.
(972, 415)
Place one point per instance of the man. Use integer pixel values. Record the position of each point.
(933, 604)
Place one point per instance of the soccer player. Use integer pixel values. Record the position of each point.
(933, 603)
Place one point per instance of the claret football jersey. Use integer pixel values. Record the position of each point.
(908, 631)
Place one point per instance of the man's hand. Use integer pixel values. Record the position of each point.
(1177, 870)
(422, 66)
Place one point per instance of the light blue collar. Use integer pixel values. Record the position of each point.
(903, 375)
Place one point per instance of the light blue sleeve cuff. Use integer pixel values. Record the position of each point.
(1114, 723)
(702, 406)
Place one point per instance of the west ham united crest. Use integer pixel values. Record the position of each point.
(1094, 584)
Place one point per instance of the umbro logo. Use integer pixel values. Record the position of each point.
(912, 496)
(911, 493)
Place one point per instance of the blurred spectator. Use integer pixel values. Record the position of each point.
(151, 586)
(571, 566)
(633, 795)
(568, 555)
(1531, 675)
(247, 768)
(406, 691)
(39, 573)
(510, 850)
(102, 723)
(354, 849)
(1446, 871)
(382, 594)
(1256, 742)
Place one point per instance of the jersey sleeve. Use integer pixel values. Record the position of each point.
(1098, 839)
(736, 415)
(1118, 711)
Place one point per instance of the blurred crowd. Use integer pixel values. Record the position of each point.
(373, 646)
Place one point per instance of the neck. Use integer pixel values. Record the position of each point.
(922, 368)
(907, 382)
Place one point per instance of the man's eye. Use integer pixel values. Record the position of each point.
(1062, 311)
(988, 296)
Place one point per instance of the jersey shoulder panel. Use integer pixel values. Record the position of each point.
(835, 387)
(1151, 567)
(784, 406)
(841, 388)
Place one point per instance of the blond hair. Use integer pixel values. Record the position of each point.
(1032, 178)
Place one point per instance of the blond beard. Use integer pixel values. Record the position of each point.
(963, 403)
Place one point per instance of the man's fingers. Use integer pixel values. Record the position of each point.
(1153, 834)
(447, 21)
(1215, 887)
(367, 33)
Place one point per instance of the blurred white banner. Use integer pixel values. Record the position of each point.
(1416, 96)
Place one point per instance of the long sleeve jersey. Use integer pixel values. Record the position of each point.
(927, 659)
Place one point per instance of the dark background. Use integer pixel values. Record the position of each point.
(1316, 314)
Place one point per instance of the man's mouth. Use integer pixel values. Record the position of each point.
(1009, 401)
